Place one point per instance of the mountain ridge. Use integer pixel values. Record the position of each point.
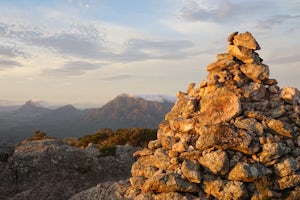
(124, 111)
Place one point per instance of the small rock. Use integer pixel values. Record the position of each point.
(254, 91)
(290, 95)
(281, 128)
(224, 56)
(289, 181)
(286, 167)
(222, 189)
(182, 125)
(246, 172)
(271, 151)
(256, 72)
(231, 37)
(183, 107)
(191, 171)
(216, 161)
(243, 54)
(143, 152)
(246, 40)
(137, 181)
(169, 183)
(250, 124)
(144, 167)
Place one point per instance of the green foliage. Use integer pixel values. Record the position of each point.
(108, 150)
(107, 139)
(97, 137)
(39, 135)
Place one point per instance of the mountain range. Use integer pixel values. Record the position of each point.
(125, 111)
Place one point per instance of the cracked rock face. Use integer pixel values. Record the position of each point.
(235, 136)
(50, 169)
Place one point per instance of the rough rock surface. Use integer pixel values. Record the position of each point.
(51, 169)
(235, 136)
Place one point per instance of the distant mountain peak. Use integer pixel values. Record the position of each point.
(151, 97)
(32, 107)
(35, 103)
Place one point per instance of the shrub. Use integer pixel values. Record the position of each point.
(39, 135)
(107, 139)
(108, 150)
(72, 141)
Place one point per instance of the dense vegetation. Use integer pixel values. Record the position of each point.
(106, 139)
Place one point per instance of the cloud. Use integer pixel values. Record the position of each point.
(70, 44)
(73, 68)
(142, 49)
(7, 64)
(10, 51)
(236, 12)
(268, 23)
(81, 3)
(79, 41)
(117, 77)
(198, 11)
(285, 59)
(88, 42)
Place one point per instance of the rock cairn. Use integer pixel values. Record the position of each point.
(235, 136)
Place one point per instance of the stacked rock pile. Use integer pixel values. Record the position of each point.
(235, 136)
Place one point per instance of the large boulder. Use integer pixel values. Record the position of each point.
(52, 169)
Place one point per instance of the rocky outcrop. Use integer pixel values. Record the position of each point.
(236, 136)
(51, 169)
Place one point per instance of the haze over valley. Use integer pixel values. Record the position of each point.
(124, 111)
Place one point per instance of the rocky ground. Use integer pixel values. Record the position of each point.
(52, 169)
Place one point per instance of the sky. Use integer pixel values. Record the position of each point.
(86, 52)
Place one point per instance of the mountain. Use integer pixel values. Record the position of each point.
(30, 110)
(8, 108)
(125, 111)
(62, 114)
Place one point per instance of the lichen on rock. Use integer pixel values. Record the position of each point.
(227, 135)
(234, 136)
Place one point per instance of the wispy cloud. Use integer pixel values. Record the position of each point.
(233, 11)
(8, 64)
(88, 42)
(73, 68)
(200, 11)
(117, 77)
(142, 49)
(70, 44)
(12, 51)
(269, 22)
